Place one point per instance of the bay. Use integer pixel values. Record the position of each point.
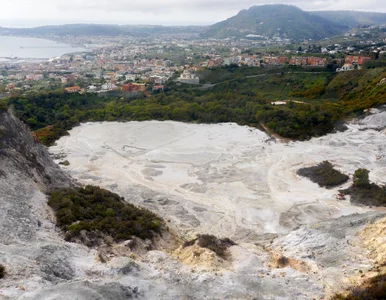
(33, 48)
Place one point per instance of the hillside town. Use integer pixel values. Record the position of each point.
(138, 65)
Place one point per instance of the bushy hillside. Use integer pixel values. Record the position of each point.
(352, 18)
(359, 90)
(275, 20)
(99, 212)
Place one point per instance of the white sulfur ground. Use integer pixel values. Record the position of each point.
(222, 179)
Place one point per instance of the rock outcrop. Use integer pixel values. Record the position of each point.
(26, 172)
(38, 263)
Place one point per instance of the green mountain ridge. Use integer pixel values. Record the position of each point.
(352, 18)
(285, 21)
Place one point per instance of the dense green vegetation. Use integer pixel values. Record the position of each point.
(324, 175)
(359, 90)
(318, 101)
(361, 179)
(375, 289)
(364, 192)
(218, 246)
(100, 213)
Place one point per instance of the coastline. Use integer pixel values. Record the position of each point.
(33, 52)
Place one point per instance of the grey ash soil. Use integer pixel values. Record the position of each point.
(39, 264)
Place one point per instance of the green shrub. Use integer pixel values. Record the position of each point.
(324, 175)
(364, 192)
(361, 178)
(373, 195)
(99, 213)
(65, 163)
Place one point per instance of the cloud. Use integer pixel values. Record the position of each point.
(157, 11)
(154, 6)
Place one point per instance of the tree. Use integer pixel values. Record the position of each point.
(361, 178)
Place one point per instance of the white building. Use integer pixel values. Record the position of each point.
(131, 77)
(92, 89)
(109, 86)
(189, 77)
(345, 68)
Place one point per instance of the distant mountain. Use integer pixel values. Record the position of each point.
(61, 30)
(352, 18)
(102, 30)
(151, 30)
(275, 20)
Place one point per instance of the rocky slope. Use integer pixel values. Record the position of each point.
(309, 262)
(33, 253)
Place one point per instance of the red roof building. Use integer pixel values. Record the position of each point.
(356, 60)
(134, 87)
(308, 61)
(275, 60)
(73, 89)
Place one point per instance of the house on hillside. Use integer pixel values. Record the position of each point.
(316, 61)
(92, 89)
(134, 87)
(131, 77)
(73, 89)
(189, 77)
(10, 87)
(158, 88)
(346, 67)
(356, 60)
(215, 62)
(109, 86)
(298, 61)
(275, 60)
(308, 61)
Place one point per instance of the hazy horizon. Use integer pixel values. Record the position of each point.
(151, 12)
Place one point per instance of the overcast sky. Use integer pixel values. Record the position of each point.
(19, 13)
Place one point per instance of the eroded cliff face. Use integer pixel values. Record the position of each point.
(26, 172)
(31, 249)
(20, 152)
(311, 261)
